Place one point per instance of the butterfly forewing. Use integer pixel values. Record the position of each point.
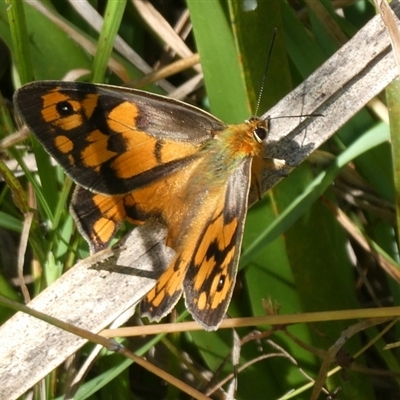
(113, 141)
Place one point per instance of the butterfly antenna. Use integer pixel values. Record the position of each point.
(265, 70)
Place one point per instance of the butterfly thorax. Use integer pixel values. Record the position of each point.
(229, 147)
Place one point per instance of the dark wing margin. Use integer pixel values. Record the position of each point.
(208, 286)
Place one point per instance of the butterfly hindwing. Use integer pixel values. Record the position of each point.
(207, 259)
(211, 275)
(97, 216)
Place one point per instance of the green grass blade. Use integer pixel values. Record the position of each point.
(20, 39)
(112, 20)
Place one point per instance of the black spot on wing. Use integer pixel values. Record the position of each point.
(221, 283)
(65, 109)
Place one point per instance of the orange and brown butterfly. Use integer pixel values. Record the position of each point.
(137, 156)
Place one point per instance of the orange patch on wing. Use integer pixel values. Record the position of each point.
(123, 117)
(205, 270)
(96, 153)
(69, 123)
(110, 206)
(228, 231)
(139, 155)
(63, 144)
(89, 103)
(170, 150)
(202, 301)
(104, 229)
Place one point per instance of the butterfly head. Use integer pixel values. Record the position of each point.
(259, 128)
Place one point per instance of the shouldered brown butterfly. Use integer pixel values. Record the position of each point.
(137, 156)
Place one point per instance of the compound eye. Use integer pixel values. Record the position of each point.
(260, 133)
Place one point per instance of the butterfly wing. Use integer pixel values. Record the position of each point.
(212, 272)
(111, 140)
(99, 216)
(207, 259)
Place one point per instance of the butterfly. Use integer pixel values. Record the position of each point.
(138, 156)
